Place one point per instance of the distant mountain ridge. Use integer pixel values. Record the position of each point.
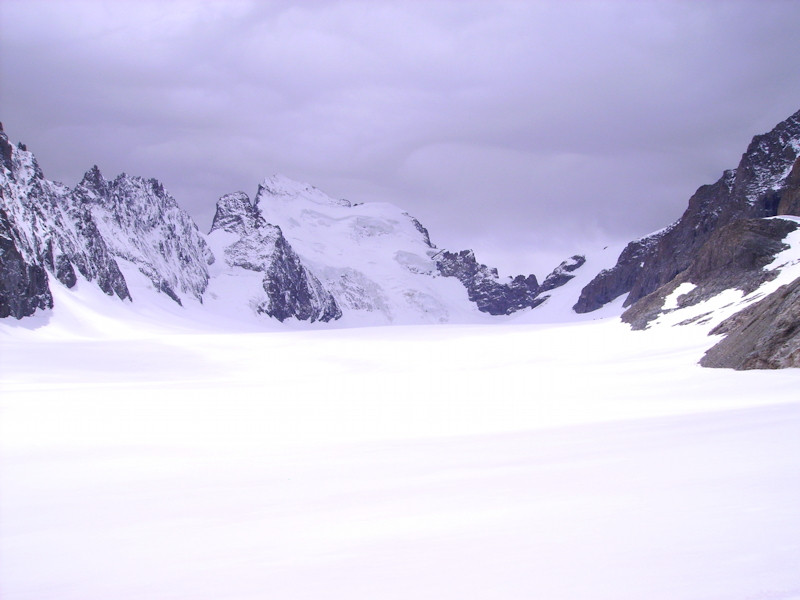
(730, 264)
(292, 253)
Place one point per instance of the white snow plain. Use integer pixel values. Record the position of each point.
(149, 454)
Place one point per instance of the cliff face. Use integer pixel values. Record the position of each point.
(734, 257)
(49, 229)
(483, 284)
(766, 335)
(763, 185)
(255, 245)
(142, 224)
(23, 286)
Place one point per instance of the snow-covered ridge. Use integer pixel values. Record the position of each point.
(143, 224)
(293, 253)
(280, 186)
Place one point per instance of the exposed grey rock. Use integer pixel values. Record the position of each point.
(734, 257)
(766, 335)
(789, 196)
(236, 214)
(483, 285)
(142, 223)
(756, 188)
(562, 273)
(23, 287)
(292, 290)
(425, 235)
(51, 230)
(611, 283)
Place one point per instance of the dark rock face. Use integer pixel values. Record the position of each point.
(759, 187)
(23, 287)
(425, 235)
(50, 230)
(562, 273)
(609, 284)
(734, 257)
(766, 335)
(483, 285)
(292, 290)
(789, 196)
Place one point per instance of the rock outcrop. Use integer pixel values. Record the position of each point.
(24, 287)
(483, 284)
(764, 184)
(734, 257)
(562, 273)
(292, 290)
(765, 335)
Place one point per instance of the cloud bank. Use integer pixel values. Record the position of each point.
(526, 130)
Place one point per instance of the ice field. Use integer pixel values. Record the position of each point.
(572, 461)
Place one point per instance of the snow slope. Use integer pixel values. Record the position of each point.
(574, 461)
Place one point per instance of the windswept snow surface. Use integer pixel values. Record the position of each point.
(147, 454)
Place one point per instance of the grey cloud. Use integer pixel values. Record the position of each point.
(519, 128)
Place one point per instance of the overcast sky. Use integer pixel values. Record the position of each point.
(524, 130)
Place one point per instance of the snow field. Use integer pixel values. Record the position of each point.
(575, 461)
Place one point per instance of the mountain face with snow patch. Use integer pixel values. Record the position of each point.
(761, 186)
(323, 258)
(143, 225)
(720, 264)
(97, 230)
(49, 230)
(255, 245)
(291, 253)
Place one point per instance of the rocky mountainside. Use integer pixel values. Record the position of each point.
(724, 246)
(766, 335)
(763, 185)
(50, 231)
(291, 291)
(293, 252)
(142, 224)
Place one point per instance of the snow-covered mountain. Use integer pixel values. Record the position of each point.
(292, 253)
(95, 232)
(324, 259)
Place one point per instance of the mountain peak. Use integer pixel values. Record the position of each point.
(280, 186)
(94, 180)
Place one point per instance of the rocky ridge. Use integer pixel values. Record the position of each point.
(761, 186)
(49, 229)
(484, 286)
(766, 335)
(734, 257)
(142, 224)
(292, 291)
(316, 257)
